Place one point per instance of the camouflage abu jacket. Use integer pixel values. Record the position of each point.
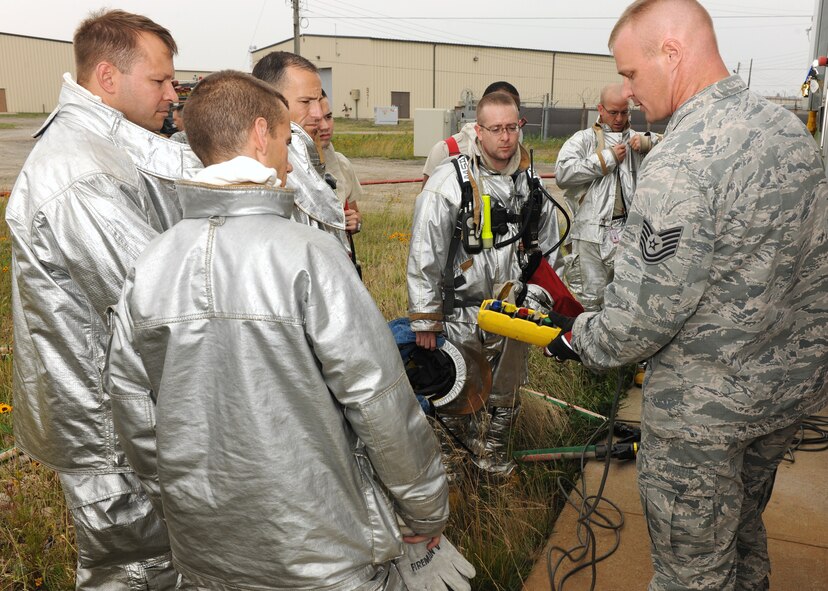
(721, 278)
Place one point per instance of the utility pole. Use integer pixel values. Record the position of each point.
(750, 70)
(296, 27)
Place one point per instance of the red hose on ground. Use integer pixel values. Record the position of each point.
(420, 180)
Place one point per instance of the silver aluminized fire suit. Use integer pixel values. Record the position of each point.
(316, 204)
(592, 180)
(93, 192)
(435, 214)
(273, 430)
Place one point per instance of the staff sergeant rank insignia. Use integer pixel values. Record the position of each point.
(658, 246)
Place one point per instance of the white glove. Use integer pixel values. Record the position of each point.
(440, 569)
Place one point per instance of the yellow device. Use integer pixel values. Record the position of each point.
(521, 324)
(486, 235)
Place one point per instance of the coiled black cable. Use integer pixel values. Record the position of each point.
(589, 515)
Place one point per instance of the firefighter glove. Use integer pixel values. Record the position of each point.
(442, 568)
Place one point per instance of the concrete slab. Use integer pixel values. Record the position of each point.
(629, 567)
(796, 521)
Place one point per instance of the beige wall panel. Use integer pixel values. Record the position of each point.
(378, 67)
(529, 71)
(579, 78)
(402, 67)
(31, 71)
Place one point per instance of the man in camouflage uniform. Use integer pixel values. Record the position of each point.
(720, 281)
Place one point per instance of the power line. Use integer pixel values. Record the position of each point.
(537, 18)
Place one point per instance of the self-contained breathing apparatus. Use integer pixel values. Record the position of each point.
(496, 219)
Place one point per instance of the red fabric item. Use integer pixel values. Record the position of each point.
(565, 302)
(453, 148)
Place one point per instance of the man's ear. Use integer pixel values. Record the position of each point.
(107, 76)
(478, 132)
(260, 139)
(673, 51)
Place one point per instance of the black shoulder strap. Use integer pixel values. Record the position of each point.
(461, 166)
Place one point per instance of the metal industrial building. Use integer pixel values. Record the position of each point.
(361, 73)
(31, 70)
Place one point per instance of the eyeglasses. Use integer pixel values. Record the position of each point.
(498, 129)
(617, 113)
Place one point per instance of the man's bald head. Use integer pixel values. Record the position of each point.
(614, 107)
(655, 19)
(666, 51)
(612, 93)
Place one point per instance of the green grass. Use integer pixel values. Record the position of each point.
(546, 152)
(401, 146)
(393, 146)
(7, 125)
(501, 527)
(343, 124)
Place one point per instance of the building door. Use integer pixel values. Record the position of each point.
(3, 108)
(402, 100)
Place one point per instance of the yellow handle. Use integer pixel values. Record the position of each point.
(515, 328)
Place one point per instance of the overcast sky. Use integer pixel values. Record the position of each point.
(215, 34)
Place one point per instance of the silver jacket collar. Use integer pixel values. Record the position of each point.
(150, 152)
(233, 200)
(314, 197)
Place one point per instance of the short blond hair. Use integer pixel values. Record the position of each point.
(222, 109)
(112, 36)
(499, 97)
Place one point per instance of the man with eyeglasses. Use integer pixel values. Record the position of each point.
(498, 168)
(597, 168)
(463, 142)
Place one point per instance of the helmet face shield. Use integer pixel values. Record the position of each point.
(455, 379)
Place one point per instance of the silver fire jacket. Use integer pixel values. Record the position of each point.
(475, 275)
(589, 177)
(316, 203)
(93, 192)
(280, 399)
(435, 214)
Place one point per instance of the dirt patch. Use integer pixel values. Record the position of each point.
(15, 145)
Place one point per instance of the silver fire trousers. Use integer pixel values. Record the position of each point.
(122, 541)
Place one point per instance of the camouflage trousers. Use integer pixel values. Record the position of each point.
(703, 503)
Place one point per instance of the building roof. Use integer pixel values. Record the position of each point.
(435, 43)
(37, 38)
